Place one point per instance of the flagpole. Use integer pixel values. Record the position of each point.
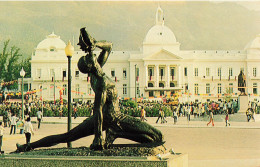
(54, 86)
(135, 85)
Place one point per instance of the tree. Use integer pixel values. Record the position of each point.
(228, 95)
(10, 66)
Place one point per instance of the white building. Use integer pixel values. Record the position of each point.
(162, 69)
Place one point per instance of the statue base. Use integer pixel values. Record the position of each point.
(86, 157)
(242, 103)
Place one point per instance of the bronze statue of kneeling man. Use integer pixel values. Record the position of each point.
(106, 114)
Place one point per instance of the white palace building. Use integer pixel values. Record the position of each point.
(159, 69)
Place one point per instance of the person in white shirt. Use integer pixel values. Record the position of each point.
(39, 118)
(14, 120)
(1, 136)
(28, 130)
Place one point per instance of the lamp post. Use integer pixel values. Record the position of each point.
(69, 49)
(135, 85)
(22, 74)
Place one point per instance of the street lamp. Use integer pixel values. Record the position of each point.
(135, 84)
(69, 49)
(22, 74)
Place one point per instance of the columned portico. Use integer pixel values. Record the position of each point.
(168, 76)
(157, 76)
(146, 75)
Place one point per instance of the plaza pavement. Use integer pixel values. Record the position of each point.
(237, 145)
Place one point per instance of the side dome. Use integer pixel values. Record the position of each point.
(254, 44)
(52, 43)
(159, 34)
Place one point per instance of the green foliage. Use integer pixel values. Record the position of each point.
(10, 66)
(227, 95)
(129, 108)
(129, 103)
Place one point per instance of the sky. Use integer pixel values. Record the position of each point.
(208, 25)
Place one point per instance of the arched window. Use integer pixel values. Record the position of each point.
(150, 84)
(172, 84)
(161, 85)
(52, 49)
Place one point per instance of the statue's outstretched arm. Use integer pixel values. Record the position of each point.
(106, 49)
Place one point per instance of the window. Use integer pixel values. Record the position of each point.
(185, 71)
(150, 93)
(230, 72)
(113, 73)
(64, 74)
(196, 72)
(76, 73)
(254, 72)
(52, 49)
(172, 84)
(207, 88)
(172, 71)
(230, 88)
(77, 89)
(207, 72)
(64, 89)
(124, 73)
(161, 91)
(124, 89)
(151, 71)
(219, 88)
(219, 71)
(39, 73)
(254, 88)
(161, 72)
(161, 85)
(196, 88)
(150, 84)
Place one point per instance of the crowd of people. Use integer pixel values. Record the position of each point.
(11, 112)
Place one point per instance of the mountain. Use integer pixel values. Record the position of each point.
(196, 25)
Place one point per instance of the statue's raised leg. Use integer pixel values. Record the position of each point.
(84, 129)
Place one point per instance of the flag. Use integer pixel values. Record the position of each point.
(115, 79)
(88, 79)
(172, 77)
(61, 99)
(150, 77)
(137, 78)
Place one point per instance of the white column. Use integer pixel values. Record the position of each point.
(180, 74)
(168, 76)
(146, 75)
(157, 76)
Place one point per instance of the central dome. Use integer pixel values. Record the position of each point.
(160, 34)
(52, 41)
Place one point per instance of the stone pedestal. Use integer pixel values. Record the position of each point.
(125, 155)
(242, 104)
(177, 160)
